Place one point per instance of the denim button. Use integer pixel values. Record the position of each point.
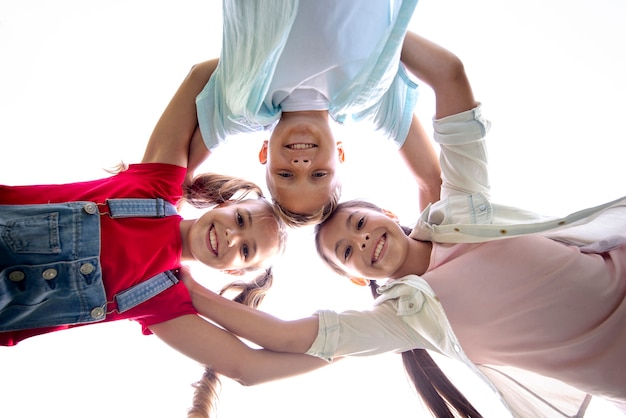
(482, 208)
(87, 268)
(90, 208)
(97, 313)
(411, 305)
(16, 276)
(49, 274)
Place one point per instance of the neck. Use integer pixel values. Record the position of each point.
(417, 259)
(185, 225)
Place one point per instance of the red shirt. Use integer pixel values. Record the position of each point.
(133, 249)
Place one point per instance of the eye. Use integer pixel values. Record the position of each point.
(285, 174)
(360, 223)
(240, 220)
(245, 251)
(347, 252)
(319, 174)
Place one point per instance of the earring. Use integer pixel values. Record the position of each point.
(360, 281)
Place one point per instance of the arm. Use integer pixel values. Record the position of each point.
(256, 326)
(442, 71)
(176, 138)
(227, 355)
(423, 162)
(460, 135)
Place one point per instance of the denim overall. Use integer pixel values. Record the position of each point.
(50, 271)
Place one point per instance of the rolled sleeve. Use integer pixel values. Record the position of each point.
(463, 154)
(364, 333)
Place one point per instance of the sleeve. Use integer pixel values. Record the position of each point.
(463, 156)
(254, 35)
(465, 185)
(363, 333)
(169, 304)
(392, 115)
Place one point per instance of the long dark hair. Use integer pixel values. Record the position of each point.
(437, 392)
(204, 404)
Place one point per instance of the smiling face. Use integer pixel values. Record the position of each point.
(364, 243)
(302, 160)
(234, 236)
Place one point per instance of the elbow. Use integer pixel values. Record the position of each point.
(245, 379)
(452, 73)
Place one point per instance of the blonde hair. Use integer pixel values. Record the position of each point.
(296, 219)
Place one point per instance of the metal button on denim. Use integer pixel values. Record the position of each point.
(90, 208)
(97, 313)
(87, 268)
(16, 276)
(49, 274)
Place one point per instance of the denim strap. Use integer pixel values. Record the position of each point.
(129, 208)
(143, 291)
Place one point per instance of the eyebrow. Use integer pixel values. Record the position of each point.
(348, 223)
(249, 216)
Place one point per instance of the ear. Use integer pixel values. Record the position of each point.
(263, 153)
(340, 152)
(234, 272)
(391, 215)
(360, 281)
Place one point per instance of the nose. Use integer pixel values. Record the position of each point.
(301, 162)
(363, 240)
(233, 236)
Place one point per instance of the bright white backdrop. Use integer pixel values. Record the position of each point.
(82, 84)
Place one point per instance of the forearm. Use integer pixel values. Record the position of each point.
(175, 133)
(264, 366)
(422, 161)
(442, 71)
(254, 325)
(213, 347)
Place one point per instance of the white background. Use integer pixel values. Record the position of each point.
(82, 84)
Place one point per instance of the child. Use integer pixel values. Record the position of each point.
(539, 320)
(59, 269)
(290, 66)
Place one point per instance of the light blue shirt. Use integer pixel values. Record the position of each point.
(255, 33)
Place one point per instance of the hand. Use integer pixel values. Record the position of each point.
(184, 275)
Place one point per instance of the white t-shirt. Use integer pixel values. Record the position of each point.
(329, 42)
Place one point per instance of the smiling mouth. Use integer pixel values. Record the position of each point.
(379, 248)
(212, 241)
(300, 147)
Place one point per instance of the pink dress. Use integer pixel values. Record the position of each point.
(539, 305)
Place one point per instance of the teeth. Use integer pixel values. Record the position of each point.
(301, 146)
(213, 239)
(379, 248)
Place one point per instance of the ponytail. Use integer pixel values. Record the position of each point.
(206, 389)
(205, 395)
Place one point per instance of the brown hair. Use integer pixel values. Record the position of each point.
(296, 219)
(206, 389)
(437, 392)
